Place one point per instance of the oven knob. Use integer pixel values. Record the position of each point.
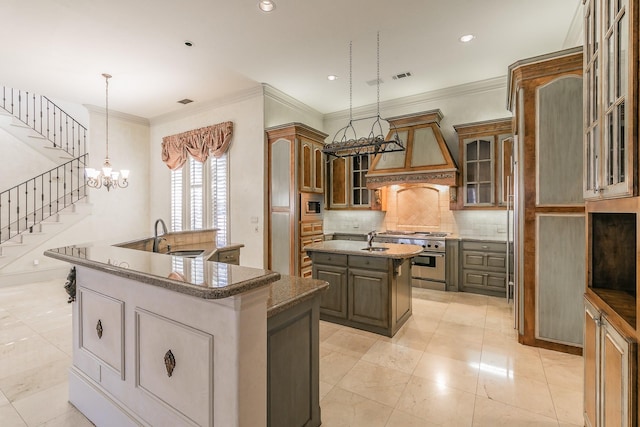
(429, 245)
(423, 246)
(435, 246)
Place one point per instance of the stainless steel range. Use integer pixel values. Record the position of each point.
(428, 268)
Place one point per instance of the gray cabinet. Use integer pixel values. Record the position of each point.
(228, 256)
(483, 267)
(370, 293)
(293, 382)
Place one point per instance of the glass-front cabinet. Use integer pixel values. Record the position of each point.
(485, 162)
(610, 149)
(478, 175)
(348, 185)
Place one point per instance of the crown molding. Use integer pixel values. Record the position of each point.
(190, 110)
(575, 34)
(481, 86)
(281, 97)
(116, 114)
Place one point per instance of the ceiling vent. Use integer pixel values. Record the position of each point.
(185, 101)
(401, 75)
(375, 82)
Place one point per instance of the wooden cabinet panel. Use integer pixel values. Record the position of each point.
(368, 297)
(368, 262)
(338, 197)
(293, 367)
(591, 360)
(102, 328)
(485, 163)
(334, 300)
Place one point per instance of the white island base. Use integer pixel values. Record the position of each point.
(123, 330)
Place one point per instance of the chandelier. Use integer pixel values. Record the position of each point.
(346, 142)
(107, 177)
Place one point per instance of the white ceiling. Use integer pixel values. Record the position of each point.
(60, 48)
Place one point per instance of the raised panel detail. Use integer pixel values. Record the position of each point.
(102, 328)
(560, 278)
(368, 297)
(189, 389)
(559, 145)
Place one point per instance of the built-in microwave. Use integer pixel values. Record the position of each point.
(311, 206)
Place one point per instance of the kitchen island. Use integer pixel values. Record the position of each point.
(369, 287)
(169, 340)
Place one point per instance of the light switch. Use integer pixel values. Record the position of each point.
(254, 219)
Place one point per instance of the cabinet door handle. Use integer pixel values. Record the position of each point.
(485, 247)
(99, 329)
(169, 362)
(598, 321)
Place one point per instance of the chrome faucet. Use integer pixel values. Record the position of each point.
(370, 236)
(157, 239)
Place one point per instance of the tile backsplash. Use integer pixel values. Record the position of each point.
(412, 211)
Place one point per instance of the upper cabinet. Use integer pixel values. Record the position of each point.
(485, 164)
(348, 188)
(610, 131)
(311, 165)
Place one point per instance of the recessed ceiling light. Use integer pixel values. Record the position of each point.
(332, 77)
(185, 101)
(188, 43)
(467, 38)
(266, 5)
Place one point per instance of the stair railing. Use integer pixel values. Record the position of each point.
(27, 204)
(47, 119)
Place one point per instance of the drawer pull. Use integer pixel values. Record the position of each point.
(485, 247)
(99, 329)
(169, 362)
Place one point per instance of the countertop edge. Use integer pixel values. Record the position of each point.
(173, 285)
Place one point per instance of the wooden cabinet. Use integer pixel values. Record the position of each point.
(347, 183)
(293, 380)
(610, 185)
(295, 166)
(483, 267)
(311, 166)
(611, 96)
(610, 374)
(332, 269)
(369, 293)
(545, 96)
(310, 232)
(485, 164)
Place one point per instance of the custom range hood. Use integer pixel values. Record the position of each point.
(427, 158)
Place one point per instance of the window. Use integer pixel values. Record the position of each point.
(199, 196)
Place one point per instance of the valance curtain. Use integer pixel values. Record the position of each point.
(199, 143)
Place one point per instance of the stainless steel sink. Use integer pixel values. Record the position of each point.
(375, 249)
(187, 253)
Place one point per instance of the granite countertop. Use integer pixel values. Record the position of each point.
(205, 279)
(349, 247)
(291, 290)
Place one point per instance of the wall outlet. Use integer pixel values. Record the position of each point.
(254, 219)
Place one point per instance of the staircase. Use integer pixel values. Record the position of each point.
(34, 211)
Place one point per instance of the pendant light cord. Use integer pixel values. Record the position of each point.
(378, 76)
(106, 78)
(350, 82)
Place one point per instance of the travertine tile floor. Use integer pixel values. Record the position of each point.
(455, 363)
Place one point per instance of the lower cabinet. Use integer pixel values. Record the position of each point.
(228, 256)
(370, 293)
(610, 371)
(293, 380)
(483, 267)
